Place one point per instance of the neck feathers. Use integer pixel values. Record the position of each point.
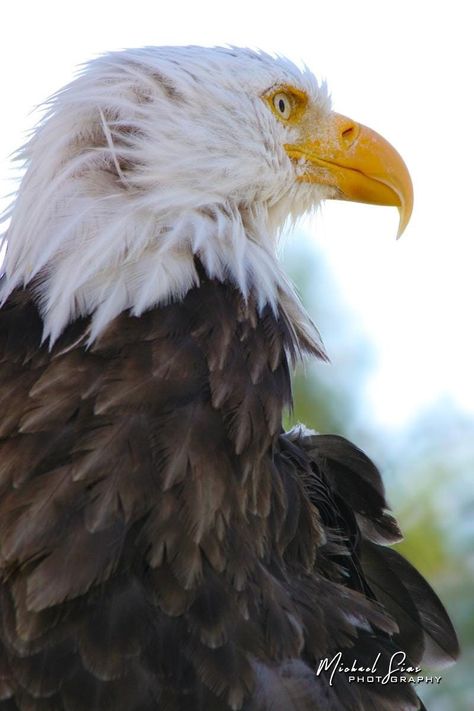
(110, 256)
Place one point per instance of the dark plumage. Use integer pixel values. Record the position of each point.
(165, 545)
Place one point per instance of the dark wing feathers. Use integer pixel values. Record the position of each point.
(163, 545)
(425, 630)
(357, 481)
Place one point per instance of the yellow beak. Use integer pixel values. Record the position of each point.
(358, 162)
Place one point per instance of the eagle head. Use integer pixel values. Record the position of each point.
(154, 157)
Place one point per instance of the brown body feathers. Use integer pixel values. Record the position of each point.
(164, 545)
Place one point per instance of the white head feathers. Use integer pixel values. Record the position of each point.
(150, 157)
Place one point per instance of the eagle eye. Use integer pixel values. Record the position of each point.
(287, 102)
(283, 105)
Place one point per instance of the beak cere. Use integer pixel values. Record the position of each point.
(360, 164)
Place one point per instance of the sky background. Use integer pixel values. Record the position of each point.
(403, 68)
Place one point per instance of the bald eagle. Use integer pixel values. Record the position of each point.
(164, 543)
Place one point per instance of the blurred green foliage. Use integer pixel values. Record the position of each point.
(427, 467)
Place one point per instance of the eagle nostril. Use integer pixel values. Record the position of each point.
(349, 134)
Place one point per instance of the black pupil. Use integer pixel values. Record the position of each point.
(281, 105)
